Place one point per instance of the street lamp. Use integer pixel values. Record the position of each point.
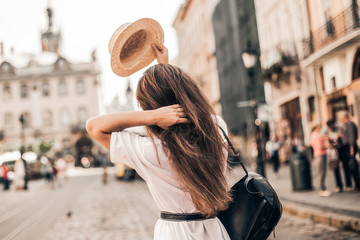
(22, 134)
(249, 58)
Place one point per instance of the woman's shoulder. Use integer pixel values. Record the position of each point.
(144, 138)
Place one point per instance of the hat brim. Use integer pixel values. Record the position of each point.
(141, 34)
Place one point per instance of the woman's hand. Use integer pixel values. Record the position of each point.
(169, 115)
(161, 54)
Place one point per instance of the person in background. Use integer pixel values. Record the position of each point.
(331, 135)
(4, 178)
(350, 148)
(272, 149)
(48, 173)
(320, 161)
(103, 164)
(20, 174)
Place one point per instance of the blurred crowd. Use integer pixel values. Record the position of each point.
(17, 174)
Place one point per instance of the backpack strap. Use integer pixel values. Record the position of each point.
(236, 152)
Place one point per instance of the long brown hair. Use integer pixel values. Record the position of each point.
(195, 149)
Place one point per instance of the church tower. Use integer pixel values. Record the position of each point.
(129, 94)
(50, 40)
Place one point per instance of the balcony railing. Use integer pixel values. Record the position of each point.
(335, 28)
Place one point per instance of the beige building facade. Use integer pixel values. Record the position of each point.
(54, 96)
(196, 41)
(334, 56)
(282, 27)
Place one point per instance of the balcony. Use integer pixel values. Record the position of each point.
(335, 28)
(286, 65)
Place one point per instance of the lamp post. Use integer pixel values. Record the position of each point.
(22, 134)
(249, 58)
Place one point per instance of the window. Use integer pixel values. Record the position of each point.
(62, 88)
(6, 68)
(333, 82)
(8, 122)
(322, 78)
(356, 66)
(80, 86)
(82, 116)
(6, 93)
(65, 117)
(47, 118)
(311, 102)
(24, 91)
(27, 119)
(46, 89)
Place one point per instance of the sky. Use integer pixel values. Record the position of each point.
(85, 25)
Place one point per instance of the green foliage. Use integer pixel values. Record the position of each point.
(277, 68)
(44, 147)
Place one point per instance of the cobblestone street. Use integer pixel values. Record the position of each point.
(85, 209)
(118, 210)
(125, 210)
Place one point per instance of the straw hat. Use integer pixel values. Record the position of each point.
(130, 46)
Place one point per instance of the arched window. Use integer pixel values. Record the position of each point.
(27, 119)
(24, 91)
(6, 92)
(80, 86)
(8, 121)
(47, 118)
(356, 66)
(62, 88)
(65, 117)
(82, 116)
(45, 89)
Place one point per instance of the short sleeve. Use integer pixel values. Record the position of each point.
(222, 124)
(128, 148)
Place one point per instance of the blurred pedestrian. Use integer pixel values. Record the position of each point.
(48, 171)
(60, 167)
(184, 159)
(350, 148)
(4, 178)
(272, 149)
(103, 164)
(320, 161)
(331, 135)
(20, 174)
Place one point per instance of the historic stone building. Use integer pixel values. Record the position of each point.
(197, 46)
(283, 26)
(333, 57)
(53, 95)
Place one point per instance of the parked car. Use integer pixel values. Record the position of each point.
(33, 165)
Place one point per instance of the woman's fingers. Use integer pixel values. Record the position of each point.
(183, 120)
(170, 115)
(181, 114)
(175, 106)
(155, 50)
(161, 54)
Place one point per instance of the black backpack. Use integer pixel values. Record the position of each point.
(255, 209)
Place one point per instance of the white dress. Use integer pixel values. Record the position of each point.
(154, 167)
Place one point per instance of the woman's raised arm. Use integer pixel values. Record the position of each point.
(102, 126)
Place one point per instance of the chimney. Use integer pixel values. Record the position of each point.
(1, 49)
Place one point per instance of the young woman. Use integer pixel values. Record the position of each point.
(183, 160)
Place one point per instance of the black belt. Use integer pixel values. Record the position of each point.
(182, 216)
